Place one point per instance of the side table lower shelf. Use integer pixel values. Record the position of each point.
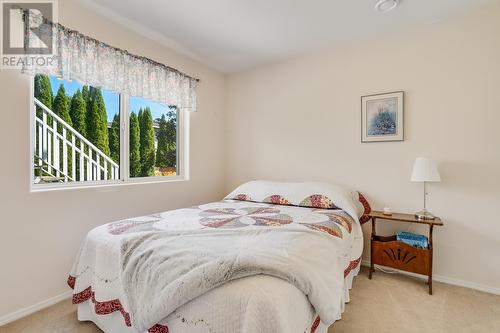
(388, 251)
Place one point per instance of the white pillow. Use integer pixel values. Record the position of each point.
(307, 194)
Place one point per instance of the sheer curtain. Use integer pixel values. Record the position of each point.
(91, 62)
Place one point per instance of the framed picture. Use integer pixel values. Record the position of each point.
(382, 117)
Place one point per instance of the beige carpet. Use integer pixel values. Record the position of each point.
(388, 303)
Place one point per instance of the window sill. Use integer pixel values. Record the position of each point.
(36, 188)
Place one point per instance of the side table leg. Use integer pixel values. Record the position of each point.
(372, 267)
(431, 253)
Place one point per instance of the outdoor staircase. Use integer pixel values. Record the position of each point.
(61, 154)
(42, 174)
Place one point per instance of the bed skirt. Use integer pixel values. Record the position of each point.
(112, 320)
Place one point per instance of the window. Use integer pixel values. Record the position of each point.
(152, 139)
(83, 135)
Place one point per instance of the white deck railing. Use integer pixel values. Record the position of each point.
(65, 153)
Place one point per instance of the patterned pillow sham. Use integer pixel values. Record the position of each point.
(318, 201)
(277, 199)
(367, 209)
(313, 201)
(313, 195)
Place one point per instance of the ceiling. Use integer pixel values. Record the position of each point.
(235, 35)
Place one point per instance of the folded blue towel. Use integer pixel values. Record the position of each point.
(412, 239)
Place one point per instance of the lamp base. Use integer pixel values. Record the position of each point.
(424, 215)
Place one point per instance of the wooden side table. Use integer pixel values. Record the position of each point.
(387, 251)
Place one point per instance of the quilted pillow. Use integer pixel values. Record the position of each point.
(314, 195)
(367, 209)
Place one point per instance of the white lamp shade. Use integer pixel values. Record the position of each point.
(425, 170)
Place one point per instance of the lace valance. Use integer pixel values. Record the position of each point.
(91, 62)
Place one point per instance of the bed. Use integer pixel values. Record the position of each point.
(270, 257)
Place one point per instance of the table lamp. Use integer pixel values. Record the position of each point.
(425, 170)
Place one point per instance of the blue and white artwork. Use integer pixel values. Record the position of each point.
(381, 116)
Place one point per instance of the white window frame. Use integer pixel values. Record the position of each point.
(125, 179)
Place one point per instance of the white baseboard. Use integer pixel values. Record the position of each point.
(34, 308)
(445, 279)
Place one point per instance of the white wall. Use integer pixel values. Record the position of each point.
(40, 232)
(300, 120)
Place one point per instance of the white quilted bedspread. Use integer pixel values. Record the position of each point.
(257, 302)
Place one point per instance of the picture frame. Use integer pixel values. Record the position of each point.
(382, 117)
